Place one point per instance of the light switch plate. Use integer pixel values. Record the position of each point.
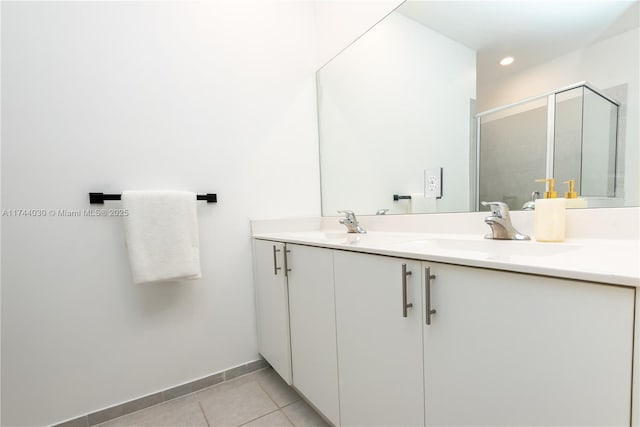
(433, 183)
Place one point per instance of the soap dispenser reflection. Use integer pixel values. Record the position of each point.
(571, 196)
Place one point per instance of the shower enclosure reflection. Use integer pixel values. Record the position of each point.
(571, 133)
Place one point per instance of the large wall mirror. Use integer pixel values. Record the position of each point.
(419, 116)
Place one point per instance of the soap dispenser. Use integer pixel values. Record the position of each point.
(571, 197)
(549, 215)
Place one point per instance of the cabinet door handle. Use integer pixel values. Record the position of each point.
(286, 261)
(427, 293)
(275, 261)
(405, 305)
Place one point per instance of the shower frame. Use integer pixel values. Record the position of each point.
(551, 126)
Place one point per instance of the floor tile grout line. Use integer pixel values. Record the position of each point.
(238, 377)
(287, 416)
(267, 393)
(276, 403)
(257, 418)
(256, 380)
(296, 402)
(204, 414)
(291, 404)
(293, 401)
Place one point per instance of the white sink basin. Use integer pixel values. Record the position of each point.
(320, 235)
(465, 246)
(342, 237)
(493, 248)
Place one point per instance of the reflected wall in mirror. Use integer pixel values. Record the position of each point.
(403, 99)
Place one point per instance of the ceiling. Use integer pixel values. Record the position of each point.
(532, 32)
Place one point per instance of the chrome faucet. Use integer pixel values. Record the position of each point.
(500, 223)
(531, 204)
(351, 222)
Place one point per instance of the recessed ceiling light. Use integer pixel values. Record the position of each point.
(507, 60)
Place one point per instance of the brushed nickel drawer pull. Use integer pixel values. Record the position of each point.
(405, 305)
(286, 261)
(427, 293)
(275, 261)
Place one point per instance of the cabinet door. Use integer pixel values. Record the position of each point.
(514, 349)
(313, 327)
(379, 351)
(272, 306)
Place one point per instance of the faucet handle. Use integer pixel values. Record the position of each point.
(351, 222)
(499, 209)
(350, 215)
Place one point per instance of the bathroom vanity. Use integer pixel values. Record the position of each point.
(423, 328)
(422, 321)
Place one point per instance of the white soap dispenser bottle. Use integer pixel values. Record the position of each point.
(549, 215)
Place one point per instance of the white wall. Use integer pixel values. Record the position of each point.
(606, 64)
(340, 22)
(392, 105)
(0, 217)
(108, 96)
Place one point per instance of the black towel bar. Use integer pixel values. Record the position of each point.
(99, 198)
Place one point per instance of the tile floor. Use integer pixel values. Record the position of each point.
(258, 399)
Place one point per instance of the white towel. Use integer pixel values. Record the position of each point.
(161, 230)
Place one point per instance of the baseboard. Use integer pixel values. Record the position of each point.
(131, 406)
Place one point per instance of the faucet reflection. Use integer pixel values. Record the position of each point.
(531, 204)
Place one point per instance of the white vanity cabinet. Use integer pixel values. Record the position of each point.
(501, 348)
(296, 319)
(313, 327)
(379, 349)
(272, 306)
(513, 349)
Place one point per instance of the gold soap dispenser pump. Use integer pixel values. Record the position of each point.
(549, 215)
(571, 196)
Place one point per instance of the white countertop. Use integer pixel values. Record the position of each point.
(597, 260)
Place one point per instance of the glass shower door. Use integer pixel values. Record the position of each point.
(570, 133)
(600, 125)
(513, 153)
(585, 142)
